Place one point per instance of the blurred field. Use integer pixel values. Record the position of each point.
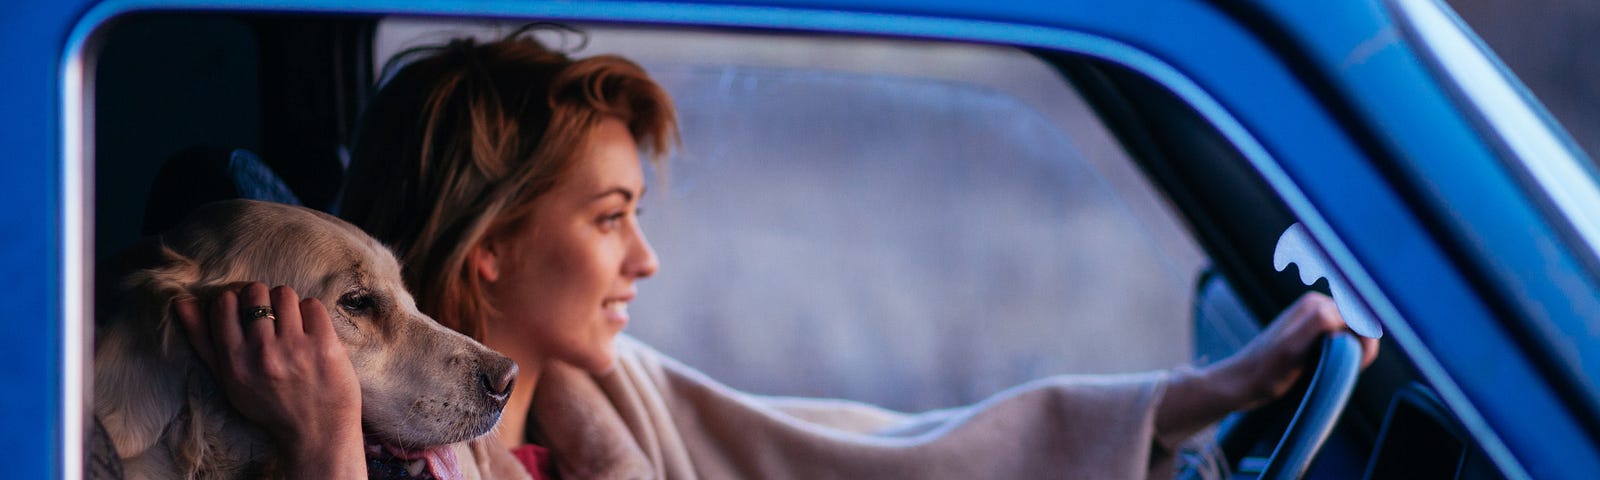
(916, 226)
(1550, 45)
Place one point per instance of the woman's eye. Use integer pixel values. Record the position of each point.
(611, 221)
(357, 303)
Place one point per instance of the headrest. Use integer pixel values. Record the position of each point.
(199, 176)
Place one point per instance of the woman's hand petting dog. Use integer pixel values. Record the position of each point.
(289, 375)
(1263, 370)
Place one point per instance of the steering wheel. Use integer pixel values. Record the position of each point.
(1326, 396)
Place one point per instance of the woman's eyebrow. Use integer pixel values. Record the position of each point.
(627, 195)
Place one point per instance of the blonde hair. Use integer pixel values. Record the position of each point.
(461, 142)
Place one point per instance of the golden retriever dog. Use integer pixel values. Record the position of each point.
(423, 386)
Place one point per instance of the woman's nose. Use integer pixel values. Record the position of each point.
(641, 261)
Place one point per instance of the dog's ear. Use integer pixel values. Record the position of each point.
(141, 357)
(159, 289)
(144, 283)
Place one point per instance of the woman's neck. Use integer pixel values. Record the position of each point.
(513, 429)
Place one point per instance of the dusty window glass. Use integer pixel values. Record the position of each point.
(913, 224)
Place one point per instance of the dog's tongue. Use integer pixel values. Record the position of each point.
(442, 462)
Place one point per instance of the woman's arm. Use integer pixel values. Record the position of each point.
(1264, 370)
(1090, 427)
(289, 375)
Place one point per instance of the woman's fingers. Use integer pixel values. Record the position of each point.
(197, 329)
(252, 315)
(286, 304)
(1369, 351)
(315, 317)
(1316, 315)
(227, 337)
(1327, 320)
(257, 314)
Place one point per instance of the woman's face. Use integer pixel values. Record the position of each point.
(562, 280)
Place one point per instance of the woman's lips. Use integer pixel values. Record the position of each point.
(616, 310)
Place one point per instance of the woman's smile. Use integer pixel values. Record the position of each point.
(616, 310)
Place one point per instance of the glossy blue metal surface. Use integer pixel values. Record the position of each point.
(30, 409)
(1413, 276)
(1497, 234)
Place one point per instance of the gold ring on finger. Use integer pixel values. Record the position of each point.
(257, 313)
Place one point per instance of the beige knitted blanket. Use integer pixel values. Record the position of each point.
(652, 417)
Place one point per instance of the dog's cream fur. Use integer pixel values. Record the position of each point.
(420, 382)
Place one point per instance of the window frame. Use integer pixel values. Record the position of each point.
(1076, 33)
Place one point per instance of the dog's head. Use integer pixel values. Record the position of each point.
(423, 386)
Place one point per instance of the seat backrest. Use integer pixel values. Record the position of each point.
(1222, 323)
(199, 176)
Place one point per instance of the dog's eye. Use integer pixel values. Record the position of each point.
(357, 303)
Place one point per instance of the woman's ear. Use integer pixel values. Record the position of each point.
(485, 260)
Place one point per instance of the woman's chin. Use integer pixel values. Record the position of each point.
(599, 361)
(607, 368)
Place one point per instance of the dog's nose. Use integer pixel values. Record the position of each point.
(498, 374)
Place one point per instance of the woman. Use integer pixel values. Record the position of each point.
(506, 177)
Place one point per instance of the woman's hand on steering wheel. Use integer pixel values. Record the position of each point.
(1269, 365)
(1262, 371)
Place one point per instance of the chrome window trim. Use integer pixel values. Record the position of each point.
(1557, 170)
(77, 191)
(76, 149)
